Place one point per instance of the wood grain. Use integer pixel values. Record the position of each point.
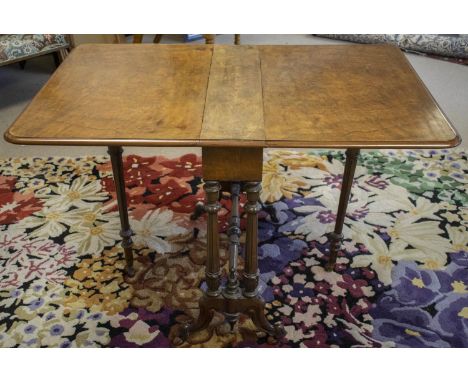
(347, 96)
(120, 94)
(234, 108)
(229, 164)
(350, 96)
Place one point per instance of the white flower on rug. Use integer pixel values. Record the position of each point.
(156, 225)
(381, 257)
(335, 167)
(310, 317)
(7, 340)
(424, 236)
(370, 204)
(80, 193)
(92, 239)
(140, 333)
(320, 219)
(91, 215)
(459, 238)
(49, 222)
(422, 209)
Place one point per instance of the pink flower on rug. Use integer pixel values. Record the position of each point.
(15, 206)
(187, 166)
(23, 259)
(138, 171)
(7, 183)
(166, 192)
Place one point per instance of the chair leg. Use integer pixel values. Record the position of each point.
(157, 38)
(137, 38)
(209, 38)
(237, 39)
(63, 53)
(56, 57)
(59, 56)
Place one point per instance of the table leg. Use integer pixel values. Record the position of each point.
(212, 263)
(253, 303)
(232, 300)
(336, 237)
(210, 301)
(252, 207)
(126, 233)
(232, 290)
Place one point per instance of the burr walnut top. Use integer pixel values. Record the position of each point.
(362, 96)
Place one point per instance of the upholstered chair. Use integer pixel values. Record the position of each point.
(21, 47)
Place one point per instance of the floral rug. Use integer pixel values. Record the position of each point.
(400, 281)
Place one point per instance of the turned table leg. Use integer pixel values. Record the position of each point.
(252, 207)
(126, 233)
(208, 303)
(232, 290)
(253, 304)
(232, 299)
(336, 237)
(234, 167)
(212, 263)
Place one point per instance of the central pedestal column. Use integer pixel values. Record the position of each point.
(241, 168)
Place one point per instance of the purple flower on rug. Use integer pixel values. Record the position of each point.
(424, 308)
(413, 286)
(403, 326)
(279, 213)
(275, 250)
(326, 217)
(276, 255)
(300, 290)
(453, 279)
(451, 319)
(406, 335)
(266, 231)
(378, 182)
(36, 303)
(460, 258)
(333, 180)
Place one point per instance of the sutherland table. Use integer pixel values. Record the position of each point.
(234, 101)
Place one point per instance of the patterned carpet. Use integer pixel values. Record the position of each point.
(401, 279)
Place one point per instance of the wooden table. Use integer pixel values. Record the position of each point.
(234, 101)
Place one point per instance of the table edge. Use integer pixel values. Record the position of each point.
(455, 141)
(266, 143)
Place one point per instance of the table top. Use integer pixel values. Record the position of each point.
(341, 96)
